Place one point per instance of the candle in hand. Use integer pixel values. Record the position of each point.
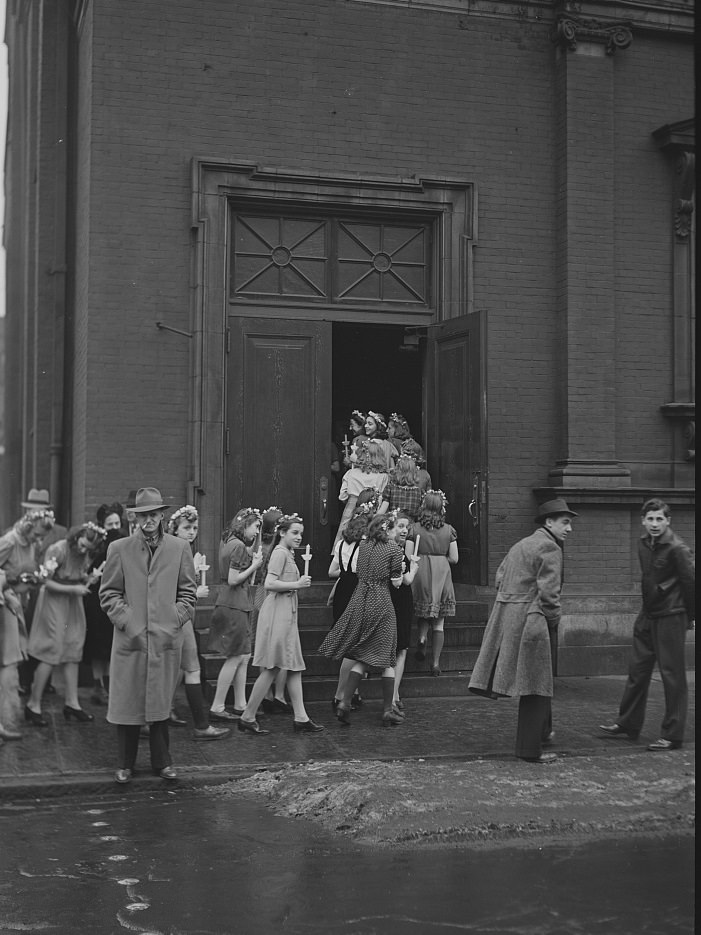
(201, 566)
(416, 545)
(307, 556)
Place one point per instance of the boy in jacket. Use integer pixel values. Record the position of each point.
(659, 633)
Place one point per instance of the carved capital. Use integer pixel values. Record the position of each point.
(569, 30)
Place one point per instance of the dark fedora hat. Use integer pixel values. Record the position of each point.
(552, 508)
(148, 499)
(37, 500)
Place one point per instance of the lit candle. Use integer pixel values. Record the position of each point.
(307, 556)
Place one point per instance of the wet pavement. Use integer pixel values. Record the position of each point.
(67, 757)
(183, 863)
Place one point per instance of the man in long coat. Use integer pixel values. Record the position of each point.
(148, 590)
(519, 646)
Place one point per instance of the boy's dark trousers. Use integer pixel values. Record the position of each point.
(128, 745)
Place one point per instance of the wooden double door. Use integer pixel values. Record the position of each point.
(279, 426)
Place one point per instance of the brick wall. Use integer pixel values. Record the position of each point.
(327, 85)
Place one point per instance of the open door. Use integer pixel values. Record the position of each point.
(278, 423)
(456, 433)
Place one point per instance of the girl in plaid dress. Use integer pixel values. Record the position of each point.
(403, 492)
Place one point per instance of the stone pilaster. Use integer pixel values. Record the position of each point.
(584, 70)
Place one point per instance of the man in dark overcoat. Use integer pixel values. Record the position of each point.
(659, 633)
(149, 591)
(519, 646)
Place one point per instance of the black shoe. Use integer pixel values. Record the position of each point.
(356, 701)
(306, 727)
(662, 745)
(77, 714)
(36, 719)
(343, 714)
(268, 706)
(282, 706)
(420, 653)
(222, 715)
(251, 727)
(615, 730)
(169, 773)
(334, 704)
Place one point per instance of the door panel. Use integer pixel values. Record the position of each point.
(456, 432)
(279, 418)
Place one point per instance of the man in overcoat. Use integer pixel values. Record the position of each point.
(148, 590)
(659, 633)
(519, 647)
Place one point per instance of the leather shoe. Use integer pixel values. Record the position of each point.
(175, 720)
(282, 706)
(222, 715)
(122, 776)
(420, 653)
(250, 727)
(168, 772)
(210, 733)
(36, 719)
(6, 734)
(543, 758)
(615, 730)
(662, 745)
(306, 727)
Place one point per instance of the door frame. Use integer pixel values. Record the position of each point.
(215, 184)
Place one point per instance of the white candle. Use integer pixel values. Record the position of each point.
(307, 556)
(202, 567)
(416, 545)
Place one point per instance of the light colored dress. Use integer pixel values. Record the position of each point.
(58, 627)
(277, 636)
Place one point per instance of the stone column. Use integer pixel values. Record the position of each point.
(584, 70)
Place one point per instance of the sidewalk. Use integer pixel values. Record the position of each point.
(67, 757)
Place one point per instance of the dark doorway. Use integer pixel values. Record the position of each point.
(377, 367)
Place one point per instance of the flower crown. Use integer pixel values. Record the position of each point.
(287, 519)
(398, 418)
(188, 511)
(358, 416)
(444, 500)
(247, 511)
(408, 457)
(273, 509)
(367, 507)
(93, 527)
(381, 424)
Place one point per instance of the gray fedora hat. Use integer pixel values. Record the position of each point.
(148, 499)
(552, 508)
(37, 500)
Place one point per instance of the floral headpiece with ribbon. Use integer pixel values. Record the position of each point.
(187, 512)
(287, 519)
(93, 527)
(33, 516)
(444, 500)
(358, 416)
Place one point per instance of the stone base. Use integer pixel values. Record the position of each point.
(568, 473)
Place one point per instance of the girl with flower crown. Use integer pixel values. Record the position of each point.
(376, 430)
(274, 701)
(366, 632)
(403, 491)
(58, 628)
(434, 595)
(230, 626)
(185, 524)
(398, 430)
(277, 635)
(356, 427)
(370, 472)
(19, 572)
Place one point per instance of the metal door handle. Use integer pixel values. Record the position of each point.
(323, 500)
(473, 508)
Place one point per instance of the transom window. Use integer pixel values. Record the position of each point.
(331, 260)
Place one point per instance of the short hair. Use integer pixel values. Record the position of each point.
(653, 505)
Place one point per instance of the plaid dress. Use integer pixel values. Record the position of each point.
(405, 499)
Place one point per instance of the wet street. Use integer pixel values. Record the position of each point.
(186, 863)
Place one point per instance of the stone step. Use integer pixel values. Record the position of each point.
(319, 615)
(452, 660)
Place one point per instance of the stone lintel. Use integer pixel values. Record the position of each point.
(595, 474)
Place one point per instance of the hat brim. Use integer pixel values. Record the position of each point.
(36, 506)
(541, 516)
(148, 509)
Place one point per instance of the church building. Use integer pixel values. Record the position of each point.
(230, 224)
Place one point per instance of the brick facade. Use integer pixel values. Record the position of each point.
(572, 264)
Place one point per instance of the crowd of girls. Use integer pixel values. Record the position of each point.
(390, 563)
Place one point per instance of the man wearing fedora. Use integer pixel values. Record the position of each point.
(519, 647)
(668, 580)
(149, 592)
